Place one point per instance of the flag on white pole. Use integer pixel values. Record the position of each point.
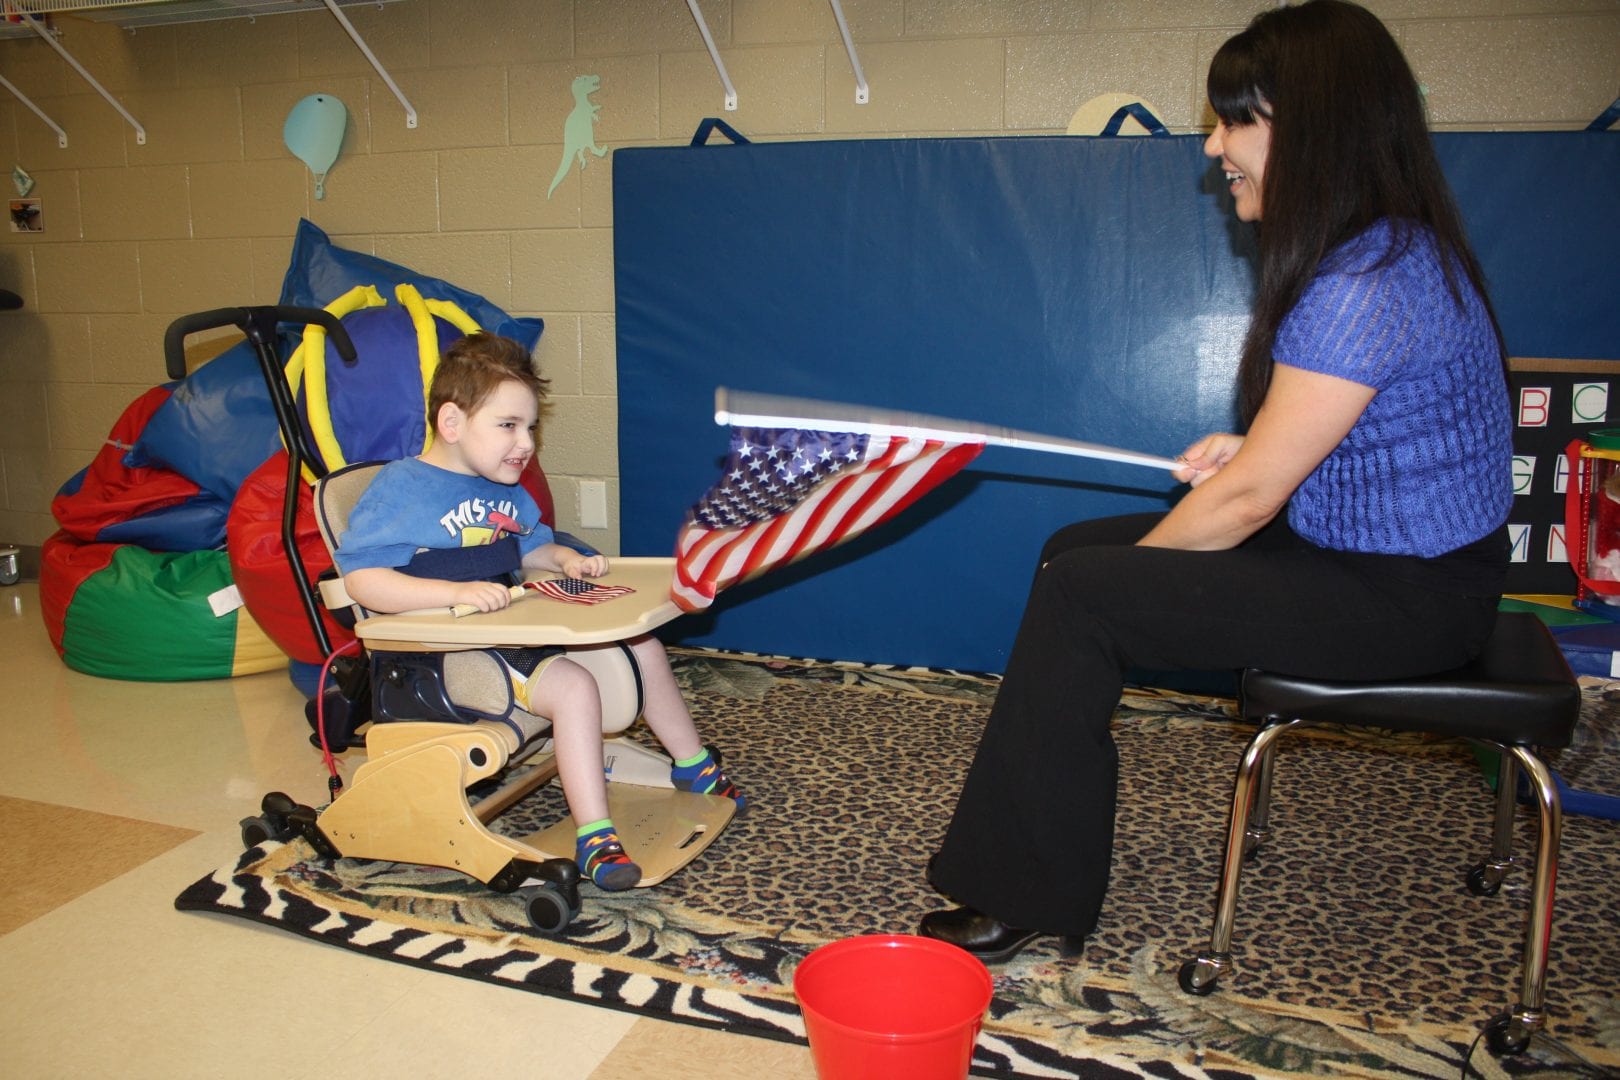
(804, 476)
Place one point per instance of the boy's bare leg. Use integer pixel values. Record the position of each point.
(695, 768)
(567, 694)
(665, 709)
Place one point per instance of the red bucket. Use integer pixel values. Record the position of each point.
(892, 1007)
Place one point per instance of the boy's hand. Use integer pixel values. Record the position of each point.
(483, 595)
(584, 566)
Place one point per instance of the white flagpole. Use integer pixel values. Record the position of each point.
(748, 409)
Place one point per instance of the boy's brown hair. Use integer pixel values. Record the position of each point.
(473, 366)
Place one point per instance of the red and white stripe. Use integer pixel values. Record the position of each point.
(895, 473)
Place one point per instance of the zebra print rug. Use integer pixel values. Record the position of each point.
(1358, 950)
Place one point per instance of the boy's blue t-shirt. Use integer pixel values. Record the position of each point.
(413, 506)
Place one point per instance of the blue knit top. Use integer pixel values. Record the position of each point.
(1428, 466)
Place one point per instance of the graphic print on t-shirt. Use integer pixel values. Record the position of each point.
(474, 522)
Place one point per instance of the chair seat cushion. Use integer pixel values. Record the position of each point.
(1518, 691)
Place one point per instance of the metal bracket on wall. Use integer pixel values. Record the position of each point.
(861, 94)
(50, 39)
(360, 42)
(61, 136)
(714, 54)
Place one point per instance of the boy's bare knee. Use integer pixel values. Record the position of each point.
(645, 645)
(568, 687)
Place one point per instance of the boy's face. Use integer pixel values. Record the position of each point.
(495, 440)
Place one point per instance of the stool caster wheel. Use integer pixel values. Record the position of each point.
(550, 909)
(1485, 880)
(1198, 977)
(1507, 1034)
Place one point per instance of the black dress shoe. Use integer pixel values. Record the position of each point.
(985, 936)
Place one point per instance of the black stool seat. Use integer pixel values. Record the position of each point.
(1518, 695)
(1518, 692)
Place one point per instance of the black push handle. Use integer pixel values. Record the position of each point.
(256, 322)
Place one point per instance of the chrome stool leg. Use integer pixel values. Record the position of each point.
(1510, 1032)
(1485, 878)
(1198, 976)
(1260, 816)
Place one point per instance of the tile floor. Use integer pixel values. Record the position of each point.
(114, 796)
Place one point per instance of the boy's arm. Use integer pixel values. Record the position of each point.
(565, 560)
(382, 589)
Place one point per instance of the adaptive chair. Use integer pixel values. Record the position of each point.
(445, 727)
(1518, 694)
(447, 751)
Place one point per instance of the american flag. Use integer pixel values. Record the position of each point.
(787, 493)
(574, 591)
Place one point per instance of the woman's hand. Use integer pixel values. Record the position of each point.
(1204, 458)
(584, 566)
(1305, 415)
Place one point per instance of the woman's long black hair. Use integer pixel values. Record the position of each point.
(1349, 145)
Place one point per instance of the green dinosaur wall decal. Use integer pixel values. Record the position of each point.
(579, 130)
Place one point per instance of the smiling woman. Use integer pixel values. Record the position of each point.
(1324, 540)
(1242, 149)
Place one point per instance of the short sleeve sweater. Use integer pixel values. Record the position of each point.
(1427, 468)
(413, 506)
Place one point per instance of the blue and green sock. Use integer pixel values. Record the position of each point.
(703, 775)
(602, 859)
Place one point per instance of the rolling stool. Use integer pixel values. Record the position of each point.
(1516, 695)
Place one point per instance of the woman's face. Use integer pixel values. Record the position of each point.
(1242, 150)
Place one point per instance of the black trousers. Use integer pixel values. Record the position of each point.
(1032, 836)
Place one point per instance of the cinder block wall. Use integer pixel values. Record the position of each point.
(202, 214)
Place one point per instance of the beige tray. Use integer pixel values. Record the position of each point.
(540, 620)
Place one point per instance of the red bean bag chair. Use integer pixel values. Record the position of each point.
(110, 501)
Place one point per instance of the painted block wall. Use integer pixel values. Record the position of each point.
(202, 214)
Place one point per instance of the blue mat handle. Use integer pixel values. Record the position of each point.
(1143, 116)
(1606, 118)
(710, 124)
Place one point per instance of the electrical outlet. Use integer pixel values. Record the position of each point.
(592, 504)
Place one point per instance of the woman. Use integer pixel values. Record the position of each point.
(1355, 531)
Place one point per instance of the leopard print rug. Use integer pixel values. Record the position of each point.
(1358, 950)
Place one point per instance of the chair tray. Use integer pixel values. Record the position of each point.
(540, 620)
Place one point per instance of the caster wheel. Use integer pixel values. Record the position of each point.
(10, 576)
(277, 803)
(256, 830)
(1188, 977)
(1484, 881)
(1506, 1035)
(563, 874)
(549, 909)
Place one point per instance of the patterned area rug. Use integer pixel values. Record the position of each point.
(1358, 950)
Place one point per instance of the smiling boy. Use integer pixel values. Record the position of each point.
(450, 525)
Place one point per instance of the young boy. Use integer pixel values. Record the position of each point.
(433, 530)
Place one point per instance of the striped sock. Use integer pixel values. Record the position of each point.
(602, 859)
(703, 775)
